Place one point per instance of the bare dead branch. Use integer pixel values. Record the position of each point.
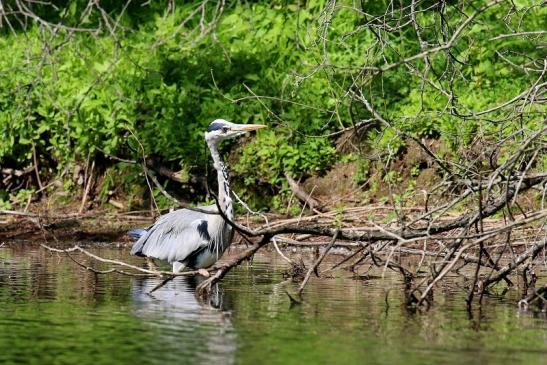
(314, 267)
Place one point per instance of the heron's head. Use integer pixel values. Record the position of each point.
(221, 129)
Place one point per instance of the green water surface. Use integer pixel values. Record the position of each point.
(54, 312)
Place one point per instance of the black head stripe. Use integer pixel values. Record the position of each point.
(215, 126)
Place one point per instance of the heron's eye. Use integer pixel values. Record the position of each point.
(224, 129)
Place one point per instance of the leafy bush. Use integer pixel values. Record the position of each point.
(158, 85)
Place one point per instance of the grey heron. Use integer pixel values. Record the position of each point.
(192, 238)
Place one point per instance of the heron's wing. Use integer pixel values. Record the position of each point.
(176, 235)
(136, 233)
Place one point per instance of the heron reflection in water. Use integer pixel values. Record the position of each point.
(195, 238)
(184, 320)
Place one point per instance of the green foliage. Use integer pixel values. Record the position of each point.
(154, 87)
(19, 199)
(89, 97)
(269, 156)
(387, 140)
(162, 201)
(362, 171)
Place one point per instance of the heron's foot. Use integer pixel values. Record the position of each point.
(203, 272)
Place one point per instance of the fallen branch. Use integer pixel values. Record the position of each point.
(373, 235)
(316, 265)
(502, 273)
(147, 272)
(528, 254)
(538, 294)
(155, 164)
(18, 173)
(18, 213)
(205, 287)
(302, 195)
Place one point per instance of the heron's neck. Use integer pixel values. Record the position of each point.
(224, 197)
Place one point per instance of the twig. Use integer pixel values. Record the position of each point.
(36, 167)
(87, 187)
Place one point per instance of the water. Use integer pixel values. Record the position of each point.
(54, 312)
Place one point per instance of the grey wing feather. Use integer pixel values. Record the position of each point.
(136, 233)
(175, 235)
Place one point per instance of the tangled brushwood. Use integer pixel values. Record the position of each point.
(432, 113)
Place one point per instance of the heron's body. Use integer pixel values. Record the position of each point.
(195, 238)
(186, 238)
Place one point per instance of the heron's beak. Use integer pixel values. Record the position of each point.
(250, 127)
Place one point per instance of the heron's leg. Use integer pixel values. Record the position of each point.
(151, 264)
(178, 266)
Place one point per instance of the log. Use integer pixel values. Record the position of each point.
(302, 195)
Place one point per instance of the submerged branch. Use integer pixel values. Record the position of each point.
(316, 264)
(140, 270)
